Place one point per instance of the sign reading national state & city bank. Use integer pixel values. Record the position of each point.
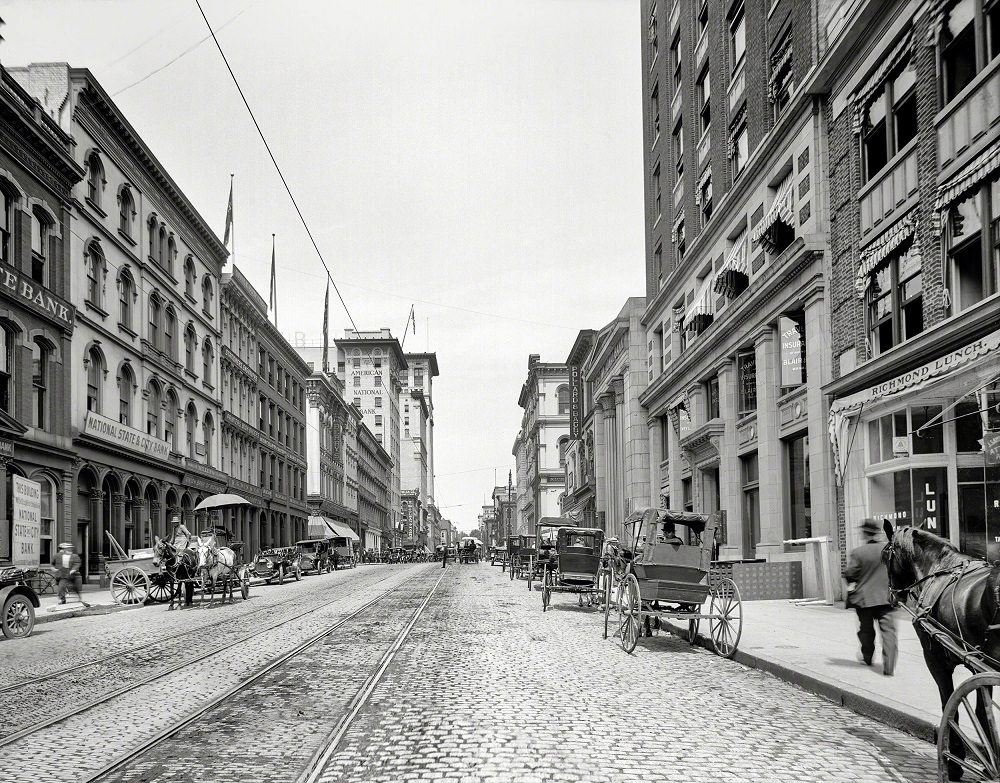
(36, 297)
(111, 431)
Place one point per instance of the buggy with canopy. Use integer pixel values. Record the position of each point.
(544, 555)
(576, 566)
(667, 579)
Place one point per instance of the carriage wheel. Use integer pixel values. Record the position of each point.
(607, 603)
(629, 612)
(967, 742)
(161, 587)
(130, 586)
(726, 622)
(546, 591)
(692, 633)
(245, 584)
(298, 574)
(18, 618)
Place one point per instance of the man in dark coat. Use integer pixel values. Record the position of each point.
(870, 598)
(67, 564)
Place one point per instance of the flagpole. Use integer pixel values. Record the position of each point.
(274, 287)
(232, 176)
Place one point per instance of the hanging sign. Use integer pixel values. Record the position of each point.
(791, 352)
(575, 402)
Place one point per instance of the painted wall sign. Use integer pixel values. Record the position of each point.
(26, 536)
(575, 402)
(111, 431)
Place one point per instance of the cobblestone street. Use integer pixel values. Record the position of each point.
(485, 688)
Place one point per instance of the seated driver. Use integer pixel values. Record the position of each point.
(669, 534)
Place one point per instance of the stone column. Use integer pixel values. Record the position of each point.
(818, 372)
(97, 532)
(118, 518)
(769, 452)
(600, 467)
(654, 427)
(156, 524)
(66, 494)
(729, 465)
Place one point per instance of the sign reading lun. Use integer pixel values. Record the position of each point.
(111, 431)
(575, 402)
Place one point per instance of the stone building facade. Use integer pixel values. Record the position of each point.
(374, 490)
(579, 500)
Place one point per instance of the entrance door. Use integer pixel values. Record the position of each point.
(979, 511)
(82, 541)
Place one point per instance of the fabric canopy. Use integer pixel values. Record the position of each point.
(324, 526)
(736, 262)
(966, 180)
(862, 98)
(702, 303)
(878, 251)
(782, 209)
(780, 63)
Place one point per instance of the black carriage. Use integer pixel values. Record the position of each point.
(575, 566)
(664, 578)
(277, 563)
(18, 602)
(469, 550)
(542, 557)
(498, 556)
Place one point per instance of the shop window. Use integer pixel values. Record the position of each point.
(746, 379)
(799, 496)
(979, 511)
(889, 436)
(927, 439)
(895, 301)
(792, 331)
(917, 496)
(750, 475)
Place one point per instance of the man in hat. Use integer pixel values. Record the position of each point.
(67, 565)
(870, 597)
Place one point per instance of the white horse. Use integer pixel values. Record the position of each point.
(217, 565)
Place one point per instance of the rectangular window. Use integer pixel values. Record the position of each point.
(972, 262)
(750, 474)
(378, 421)
(737, 38)
(746, 380)
(681, 241)
(913, 497)
(895, 301)
(958, 48)
(652, 35)
(677, 145)
(357, 381)
(706, 200)
(654, 111)
(378, 402)
(741, 150)
(799, 497)
(357, 402)
(890, 120)
(704, 89)
(658, 262)
(657, 193)
(712, 394)
(378, 380)
(675, 60)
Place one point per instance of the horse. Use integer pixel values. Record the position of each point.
(950, 591)
(217, 564)
(181, 564)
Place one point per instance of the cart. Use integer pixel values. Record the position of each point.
(134, 577)
(576, 567)
(541, 556)
(671, 581)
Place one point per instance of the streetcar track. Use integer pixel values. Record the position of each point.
(318, 760)
(159, 674)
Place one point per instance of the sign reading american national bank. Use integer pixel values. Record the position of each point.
(110, 431)
(37, 298)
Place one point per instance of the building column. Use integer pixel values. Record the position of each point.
(600, 468)
(66, 495)
(654, 426)
(769, 453)
(730, 486)
(818, 373)
(118, 518)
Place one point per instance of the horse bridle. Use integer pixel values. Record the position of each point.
(955, 571)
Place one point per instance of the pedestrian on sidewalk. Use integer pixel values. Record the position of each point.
(870, 598)
(67, 564)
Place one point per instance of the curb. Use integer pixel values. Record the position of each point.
(42, 616)
(888, 712)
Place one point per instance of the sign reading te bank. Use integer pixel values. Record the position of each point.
(111, 431)
(38, 298)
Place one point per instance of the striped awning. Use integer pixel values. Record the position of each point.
(703, 179)
(780, 63)
(862, 98)
(966, 180)
(703, 302)
(878, 251)
(782, 209)
(736, 262)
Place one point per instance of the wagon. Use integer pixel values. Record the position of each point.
(542, 553)
(134, 577)
(17, 603)
(470, 550)
(576, 565)
(498, 555)
(670, 580)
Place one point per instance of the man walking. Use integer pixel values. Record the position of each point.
(870, 598)
(67, 565)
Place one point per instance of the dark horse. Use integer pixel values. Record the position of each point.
(948, 592)
(181, 564)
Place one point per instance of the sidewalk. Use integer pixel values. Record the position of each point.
(815, 647)
(100, 601)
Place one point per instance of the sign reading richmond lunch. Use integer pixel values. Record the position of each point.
(26, 538)
(575, 402)
(110, 431)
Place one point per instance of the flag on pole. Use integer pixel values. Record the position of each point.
(413, 317)
(273, 303)
(326, 327)
(229, 214)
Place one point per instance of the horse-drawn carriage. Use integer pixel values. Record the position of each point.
(135, 576)
(521, 552)
(575, 566)
(209, 561)
(498, 555)
(667, 579)
(539, 557)
(470, 550)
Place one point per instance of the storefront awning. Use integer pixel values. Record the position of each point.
(967, 179)
(736, 264)
(862, 98)
(982, 352)
(878, 251)
(703, 302)
(782, 209)
(326, 527)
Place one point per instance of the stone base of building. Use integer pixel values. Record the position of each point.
(760, 580)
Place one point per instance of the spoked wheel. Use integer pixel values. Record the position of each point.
(512, 572)
(969, 743)
(161, 587)
(629, 612)
(726, 623)
(298, 574)
(692, 632)
(130, 586)
(546, 591)
(18, 617)
(607, 603)
(245, 584)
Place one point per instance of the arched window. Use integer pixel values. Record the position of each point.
(190, 275)
(170, 420)
(153, 409)
(206, 295)
(207, 360)
(563, 443)
(95, 368)
(95, 269)
(563, 393)
(95, 179)
(126, 384)
(161, 247)
(39, 383)
(126, 292)
(190, 346)
(168, 261)
(154, 321)
(192, 424)
(8, 339)
(41, 231)
(170, 333)
(7, 227)
(151, 227)
(126, 211)
(208, 435)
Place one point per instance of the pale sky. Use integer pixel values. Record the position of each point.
(479, 159)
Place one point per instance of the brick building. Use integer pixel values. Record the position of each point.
(911, 90)
(736, 250)
(37, 174)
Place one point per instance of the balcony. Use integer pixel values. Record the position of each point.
(891, 188)
(973, 113)
(737, 86)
